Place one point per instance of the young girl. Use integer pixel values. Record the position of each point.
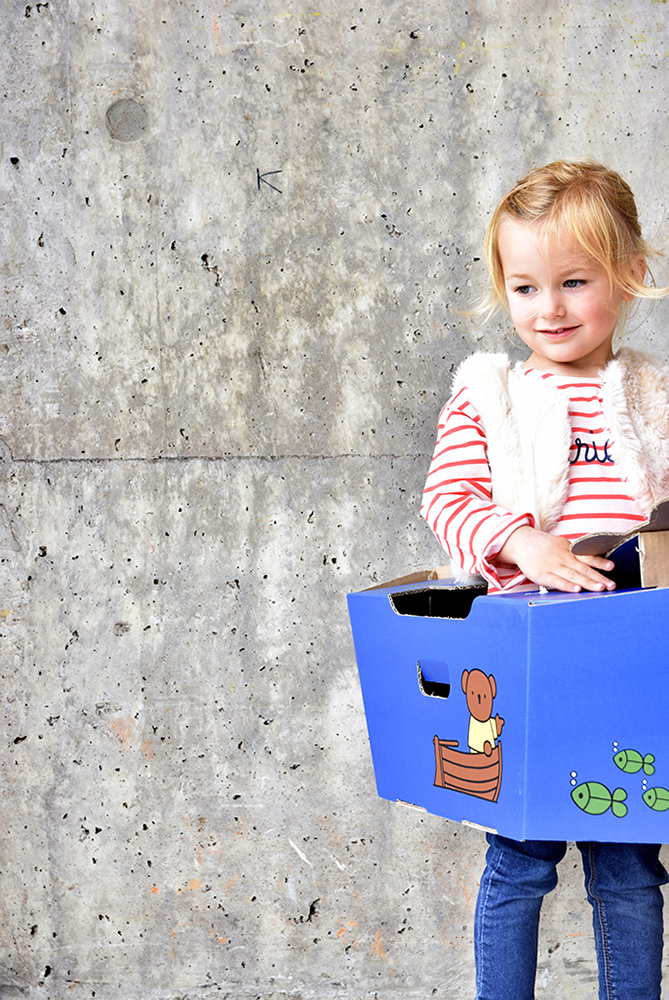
(574, 440)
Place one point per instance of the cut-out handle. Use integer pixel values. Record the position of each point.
(427, 684)
(436, 602)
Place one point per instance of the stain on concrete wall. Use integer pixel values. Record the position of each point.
(236, 247)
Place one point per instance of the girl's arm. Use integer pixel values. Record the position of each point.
(457, 501)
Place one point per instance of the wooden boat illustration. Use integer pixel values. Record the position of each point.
(471, 773)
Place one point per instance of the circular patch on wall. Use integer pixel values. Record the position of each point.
(126, 120)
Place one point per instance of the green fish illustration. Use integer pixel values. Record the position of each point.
(631, 761)
(595, 798)
(657, 799)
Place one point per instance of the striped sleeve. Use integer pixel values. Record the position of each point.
(457, 500)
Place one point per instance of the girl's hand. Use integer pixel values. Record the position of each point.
(547, 560)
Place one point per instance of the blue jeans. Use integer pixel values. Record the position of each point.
(622, 884)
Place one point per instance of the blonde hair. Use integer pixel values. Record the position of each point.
(582, 201)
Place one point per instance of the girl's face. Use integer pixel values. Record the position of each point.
(562, 303)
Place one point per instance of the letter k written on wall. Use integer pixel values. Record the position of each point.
(268, 173)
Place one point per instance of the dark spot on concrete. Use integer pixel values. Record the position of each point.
(208, 265)
(126, 120)
(313, 913)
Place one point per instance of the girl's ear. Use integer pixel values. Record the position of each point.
(638, 270)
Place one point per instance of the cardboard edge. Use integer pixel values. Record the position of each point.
(602, 543)
(654, 558)
(478, 826)
(410, 805)
(424, 576)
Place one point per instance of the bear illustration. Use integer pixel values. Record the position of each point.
(480, 691)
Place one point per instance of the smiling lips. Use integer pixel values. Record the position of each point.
(561, 331)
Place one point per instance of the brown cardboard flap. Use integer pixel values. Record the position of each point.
(438, 573)
(601, 543)
(654, 558)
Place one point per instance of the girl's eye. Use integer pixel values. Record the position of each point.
(524, 289)
(574, 283)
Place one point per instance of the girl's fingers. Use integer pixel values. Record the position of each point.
(589, 579)
(598, 562)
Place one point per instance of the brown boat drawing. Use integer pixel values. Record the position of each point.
(476, 774)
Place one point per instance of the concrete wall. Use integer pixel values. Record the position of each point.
(220, 385)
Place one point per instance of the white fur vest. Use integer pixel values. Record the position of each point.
(526, 423)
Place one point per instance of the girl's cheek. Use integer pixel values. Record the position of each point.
(523, 311)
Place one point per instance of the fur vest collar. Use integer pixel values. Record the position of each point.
(526, 423)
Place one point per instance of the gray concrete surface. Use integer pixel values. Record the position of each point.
(234, 243)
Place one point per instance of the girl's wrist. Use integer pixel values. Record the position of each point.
(514, 545)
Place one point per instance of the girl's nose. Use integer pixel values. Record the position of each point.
(552, 305)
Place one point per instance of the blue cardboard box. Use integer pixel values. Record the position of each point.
(538, 716)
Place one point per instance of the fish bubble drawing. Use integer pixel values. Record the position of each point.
(594, 798)
(631, 761)
(573, 776)
(657, 799)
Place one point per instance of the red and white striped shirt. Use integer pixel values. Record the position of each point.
(457, 501)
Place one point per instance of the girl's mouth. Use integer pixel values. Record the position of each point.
(561, 331)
